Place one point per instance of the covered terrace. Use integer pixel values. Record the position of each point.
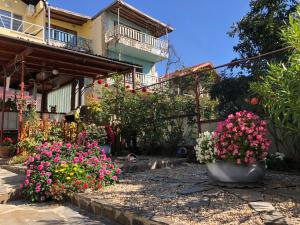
(39, 69)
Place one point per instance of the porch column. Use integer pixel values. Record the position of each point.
(73, 95)
(21, 98)
(133, 78)
(80, 92)
(197, 99)
(3, 108)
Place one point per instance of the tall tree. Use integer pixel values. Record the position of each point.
(259, 32)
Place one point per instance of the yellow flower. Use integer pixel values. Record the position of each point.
(68, 178)
(62, 170)
(71, 174)
(56, 171)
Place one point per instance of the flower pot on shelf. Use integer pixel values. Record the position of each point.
(227, 172)
(6, 152)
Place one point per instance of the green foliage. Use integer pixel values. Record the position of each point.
(280, 88)
(232, 93)
(151, 118)
(259, 32)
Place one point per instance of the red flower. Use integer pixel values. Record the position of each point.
(133, 91)
(144, 89)
(254, 101)
(85, 185)
(127, 86)
(100, 81)
(106, 85)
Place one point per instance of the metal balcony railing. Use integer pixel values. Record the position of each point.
(22, 27)
(137, 36)
(68, 40)
(141, 79)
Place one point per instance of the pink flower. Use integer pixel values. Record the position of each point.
(47, 163)
(21, 186)
(101, 177)
(68, 145)
(49, 181)
(76, 160)
(40, 167)
(238, 161)
(37, 189)
(115, 178)
(118, 171)
(31, 159)
(26, 182)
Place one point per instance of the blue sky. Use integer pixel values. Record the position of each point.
(200, 25)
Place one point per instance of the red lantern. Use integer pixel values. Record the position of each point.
(144, 89)
(106, 85)
(254, 101)
(133, 91)
(100, 81)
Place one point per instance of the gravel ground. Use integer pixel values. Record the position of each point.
(155, 193)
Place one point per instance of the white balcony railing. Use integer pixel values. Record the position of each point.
(68, 40)
(140, 79)
(134, 36)
(22, 27)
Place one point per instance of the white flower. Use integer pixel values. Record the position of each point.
(205, 150)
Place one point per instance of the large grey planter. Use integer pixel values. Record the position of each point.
(222, 171)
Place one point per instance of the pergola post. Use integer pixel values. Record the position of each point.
(21, 98)
(197, 99)
(133, 77)
(3, 108)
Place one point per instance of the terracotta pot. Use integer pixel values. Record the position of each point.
(227, 172)
(6, 152)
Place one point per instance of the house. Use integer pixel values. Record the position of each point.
(119, 31)
(177, 79)
(56, 55)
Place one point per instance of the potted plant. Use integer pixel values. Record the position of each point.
(7, 148)
(236, 150)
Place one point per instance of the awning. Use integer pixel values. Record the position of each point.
(69, 64)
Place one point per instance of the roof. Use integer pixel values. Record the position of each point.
(187, 70)
(70, 64)
(68, 16)
(156, 27)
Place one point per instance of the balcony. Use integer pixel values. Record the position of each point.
(21, 29)
(132, 42)
(63, 39)
(140, 80)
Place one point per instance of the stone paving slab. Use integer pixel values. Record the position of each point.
(262, 206)
(9, 185)
(20, 213)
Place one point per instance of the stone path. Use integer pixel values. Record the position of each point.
(20, 213)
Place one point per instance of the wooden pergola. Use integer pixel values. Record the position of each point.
(26, 62)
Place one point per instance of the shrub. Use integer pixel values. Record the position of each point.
(241, 138)
(205, 148)
(60, 169)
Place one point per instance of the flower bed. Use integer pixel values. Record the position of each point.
(59, 169)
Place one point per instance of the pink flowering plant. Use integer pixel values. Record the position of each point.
(242, 138)
(59, 169)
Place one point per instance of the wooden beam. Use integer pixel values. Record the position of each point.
(21, 55)
(67, 65)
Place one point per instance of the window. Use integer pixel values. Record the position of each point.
(17, 23)
(5, 19)
(11, 21)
